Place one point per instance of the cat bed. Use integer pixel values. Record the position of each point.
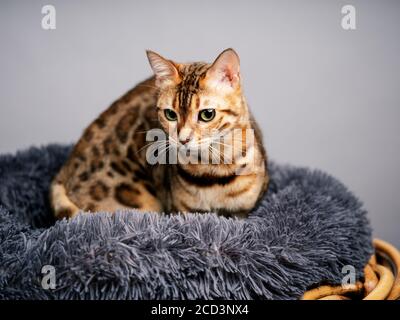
(305, 230)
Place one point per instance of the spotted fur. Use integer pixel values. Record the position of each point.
(107, 169)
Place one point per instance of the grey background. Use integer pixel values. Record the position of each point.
(325, 97)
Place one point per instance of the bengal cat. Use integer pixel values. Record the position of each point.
(193, 103)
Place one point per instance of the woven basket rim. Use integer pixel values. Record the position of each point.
(381, 279)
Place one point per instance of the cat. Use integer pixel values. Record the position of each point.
(108, 169)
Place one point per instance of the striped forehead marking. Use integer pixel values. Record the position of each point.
(189, 86)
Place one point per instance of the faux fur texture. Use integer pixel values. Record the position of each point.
(304, 231)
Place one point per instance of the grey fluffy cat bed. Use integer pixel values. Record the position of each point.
(304, 231)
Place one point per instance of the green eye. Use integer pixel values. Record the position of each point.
(207, 115)
(170, 115)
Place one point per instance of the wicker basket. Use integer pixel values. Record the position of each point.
(381, 281)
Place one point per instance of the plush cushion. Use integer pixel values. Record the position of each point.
(306, 228)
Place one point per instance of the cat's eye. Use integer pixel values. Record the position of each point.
(170, 115)
(207, 115)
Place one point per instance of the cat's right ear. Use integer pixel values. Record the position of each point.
(165, 71)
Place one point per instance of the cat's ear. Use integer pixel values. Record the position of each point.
(224, 73)
(165, 71)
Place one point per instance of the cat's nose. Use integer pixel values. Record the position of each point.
(185, 135)
(184, 141)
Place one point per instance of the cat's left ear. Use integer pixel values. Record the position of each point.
(224, 73)
(165, 70)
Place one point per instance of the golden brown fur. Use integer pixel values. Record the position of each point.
(108, 170)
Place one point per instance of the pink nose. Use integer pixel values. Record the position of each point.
(184, 141)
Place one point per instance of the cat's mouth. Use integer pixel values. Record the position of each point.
(201, 144)
(207, 150)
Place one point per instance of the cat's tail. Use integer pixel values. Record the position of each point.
(61, 205)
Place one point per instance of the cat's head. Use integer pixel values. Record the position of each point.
(199, 101)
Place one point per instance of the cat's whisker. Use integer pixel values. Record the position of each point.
(149, 144)
(165, 150)
(218, 153)
(241, 141)
(162, 147)
(210, 149)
